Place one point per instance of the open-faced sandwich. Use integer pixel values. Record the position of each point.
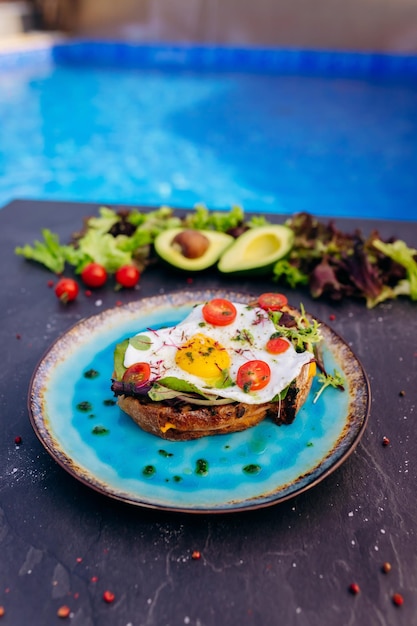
(223, 369)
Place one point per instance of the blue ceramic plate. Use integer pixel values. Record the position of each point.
(74, 414)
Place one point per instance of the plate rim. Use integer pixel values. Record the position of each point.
(188, 296)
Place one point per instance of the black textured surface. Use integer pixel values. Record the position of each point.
(64, 544)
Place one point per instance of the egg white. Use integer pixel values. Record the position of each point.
(165, 342)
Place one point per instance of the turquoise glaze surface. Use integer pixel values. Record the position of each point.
(75, 416)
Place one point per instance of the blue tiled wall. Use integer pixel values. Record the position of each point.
(216, 58)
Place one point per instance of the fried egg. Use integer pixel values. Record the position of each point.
(205, 355)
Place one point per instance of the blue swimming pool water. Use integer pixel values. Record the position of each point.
(341, 145)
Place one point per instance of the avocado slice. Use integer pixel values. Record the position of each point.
(191, 250)
(256, 251)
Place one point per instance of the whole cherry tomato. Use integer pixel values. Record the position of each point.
(94, 275)
(66, 290)
(272, 301)
(219, 312)
(253, 375)
(127, 276)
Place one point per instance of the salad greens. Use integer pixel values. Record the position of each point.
(112, 239)
(400, 253)
(48, 252)
(337, 265)
(222, 221)
(328, 262)
(304, 334)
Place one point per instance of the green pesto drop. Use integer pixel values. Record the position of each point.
(177, 479)
(100, 430)
(201, 467)
(165, 453)
(92, 373)
(252, 468)
(148, 470)
(85, 407)
(109, 402)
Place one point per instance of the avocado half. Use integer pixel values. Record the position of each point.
(257, 250)
(191, 250)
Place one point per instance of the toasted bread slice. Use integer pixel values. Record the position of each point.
(186, 421)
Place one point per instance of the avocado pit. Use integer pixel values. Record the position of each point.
(192, 244)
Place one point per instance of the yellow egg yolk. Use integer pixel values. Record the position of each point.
(203, 357)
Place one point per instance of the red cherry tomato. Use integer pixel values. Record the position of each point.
(137, 373)
(127, 276)
(277, 345)
(272, 301)
(219, 312)
(94, 275)
(66, 289)
(253, 375)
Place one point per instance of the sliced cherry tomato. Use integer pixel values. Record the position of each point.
(127, 276)
(277, 345)
(137, 373)
(66, 289)
(272, 301)
(94, 275)
(219, 312)
(253, 375)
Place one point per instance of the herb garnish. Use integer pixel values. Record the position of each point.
(328, 380)
(303, 334)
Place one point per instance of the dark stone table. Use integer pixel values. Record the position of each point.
(63, 544)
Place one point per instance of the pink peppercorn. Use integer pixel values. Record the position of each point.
(354, 588)
(63, 611)
(397, 599)
(108, 596)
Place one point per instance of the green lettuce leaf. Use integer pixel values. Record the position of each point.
(399, 252)
(293, 276)
(119, 357)
(281, 395)
(103, 223)
(179, 385)
(159, 393)
(130, 244)
(48, 252)
(102, 248)
(222, 221)
(154, 222)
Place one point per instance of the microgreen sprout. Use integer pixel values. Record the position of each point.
(328, 380)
